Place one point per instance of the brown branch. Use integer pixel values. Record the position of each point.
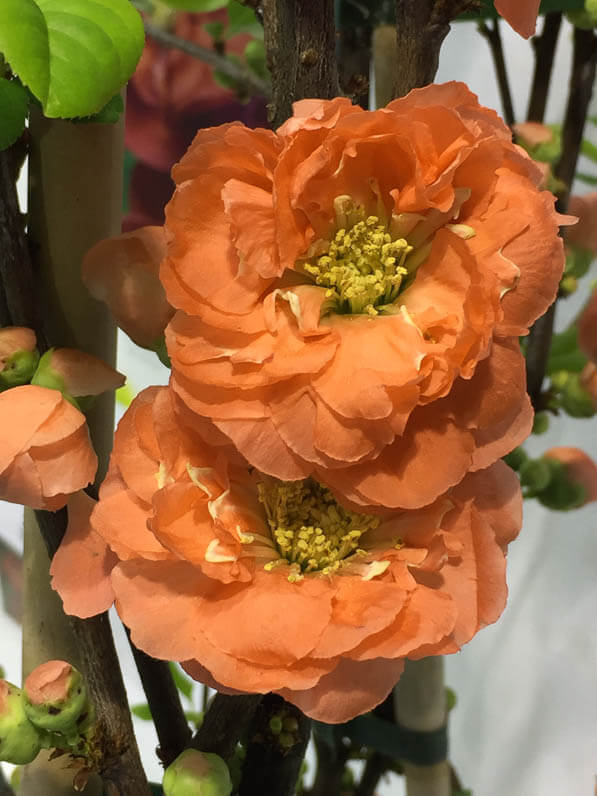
(494, 39)
(241, 75)
(224, 723)
(118, 760)
(17, 298)
(375, 767)
(545, 50)
(582, 78)
(273, 760)
(421, 27)
(300, 44)
(164, 703)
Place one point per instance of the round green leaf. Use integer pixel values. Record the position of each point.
(74, 55)
(13, 111)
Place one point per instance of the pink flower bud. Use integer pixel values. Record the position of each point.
(76, 373)
(580, 468)
(196, 773)
(56, 698)
(14, 339)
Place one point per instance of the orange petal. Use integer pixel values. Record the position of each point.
(521, 15)
(82, 565)
(352, 688)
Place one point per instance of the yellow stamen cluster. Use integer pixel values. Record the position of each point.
(363, 267)
(310, 529)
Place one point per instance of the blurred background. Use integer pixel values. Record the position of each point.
(525, 721)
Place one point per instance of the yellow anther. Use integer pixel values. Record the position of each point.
(311, 530)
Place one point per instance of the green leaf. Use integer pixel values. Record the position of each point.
(589, 150)
(183, 683)
(74, 55)
(215, 30)
(109, 114)
(196, 5)
(14, 103)
(141, 712)
(242, 19)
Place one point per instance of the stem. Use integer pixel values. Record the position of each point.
(421, 27)
(114, 741)
(384, 63)
(300, 44)
(375, 767)
(584, 60)
(240, 74)
(545, 49)
(330, 767)
(273, 762)
(17, 300)
(164, 703)
(354, 52)
(494, 39)
(420, 703)
(225, 721)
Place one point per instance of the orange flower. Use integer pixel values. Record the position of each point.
(352, 288)
(580, 468)
(521, 15)
(45, 451)
(259, 585)
(123, 272)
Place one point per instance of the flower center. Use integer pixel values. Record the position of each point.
(310, 529)
(363, 267)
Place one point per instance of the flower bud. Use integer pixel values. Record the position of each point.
(56, 698)
(20, 741)
(196, 773)
(75, 373)
(576, 401)
(584, 18)
(541, 423)
(18, 356)
(535, 474)
(516, 458)
(573, 479)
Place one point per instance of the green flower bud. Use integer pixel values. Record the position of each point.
(196, 773)
(563, 493)
(535, 474)
(540, 423)
(516, 458)
(275, 725)
(18, 369)
(20, 741)
(56, 698)
(576, 401)
(569, 284)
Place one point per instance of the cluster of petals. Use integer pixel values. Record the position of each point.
(391, 409)
(180, 541)
(45, 449)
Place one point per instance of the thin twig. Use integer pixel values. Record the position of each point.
(494, 39)
(545, 49)
(375, 768)
(240, 74)
(225, 721)
(164, 703)
(331, 762)
(582, 78)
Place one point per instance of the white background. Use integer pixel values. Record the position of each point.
(526, 719)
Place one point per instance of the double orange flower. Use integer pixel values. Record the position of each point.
(317, 494)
